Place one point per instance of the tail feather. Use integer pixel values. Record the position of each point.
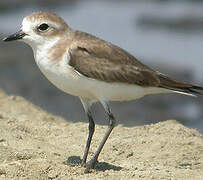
(195, 89)
(179, 87)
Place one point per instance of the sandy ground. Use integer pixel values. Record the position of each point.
(37, 145)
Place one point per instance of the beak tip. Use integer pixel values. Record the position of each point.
(18, 35)
(5, 39)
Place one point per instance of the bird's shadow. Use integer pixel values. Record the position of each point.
(100, 166)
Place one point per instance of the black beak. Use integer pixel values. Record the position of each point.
(18, 35)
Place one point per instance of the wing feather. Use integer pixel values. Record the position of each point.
(97, 59)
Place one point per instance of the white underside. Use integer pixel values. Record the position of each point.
(68, 80)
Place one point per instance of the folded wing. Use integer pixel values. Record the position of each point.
(103, 61)
(98, 59)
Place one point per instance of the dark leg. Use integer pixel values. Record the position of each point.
(111, 125)
(86, 105)
(91, 132)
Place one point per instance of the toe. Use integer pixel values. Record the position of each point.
(90, 165)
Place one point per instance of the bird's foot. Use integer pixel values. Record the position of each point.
(90, 165)
(83, 163)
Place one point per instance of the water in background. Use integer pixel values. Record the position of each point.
(144, 29)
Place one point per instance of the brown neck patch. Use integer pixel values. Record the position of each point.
(56, 53)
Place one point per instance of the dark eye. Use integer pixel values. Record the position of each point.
(43, 27)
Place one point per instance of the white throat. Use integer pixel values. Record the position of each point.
(40, 50)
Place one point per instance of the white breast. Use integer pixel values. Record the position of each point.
(72, 82)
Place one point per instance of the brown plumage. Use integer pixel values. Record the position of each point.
(98, 59)
(50, 17)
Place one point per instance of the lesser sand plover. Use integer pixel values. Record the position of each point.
(92, 69)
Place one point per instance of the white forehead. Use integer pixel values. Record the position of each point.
(27, 25)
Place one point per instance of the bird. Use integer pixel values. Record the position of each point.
(92, 69)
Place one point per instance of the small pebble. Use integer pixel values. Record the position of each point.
(2, 171)
(52, 175)
(2, 140)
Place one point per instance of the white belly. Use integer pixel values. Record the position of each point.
(71, 82)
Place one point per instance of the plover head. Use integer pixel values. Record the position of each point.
(40, 28)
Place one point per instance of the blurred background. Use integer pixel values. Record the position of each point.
(164, 34)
